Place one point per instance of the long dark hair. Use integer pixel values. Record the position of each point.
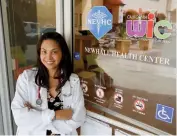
(64, 67)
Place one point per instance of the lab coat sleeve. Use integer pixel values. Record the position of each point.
(24, 118)
(79, 112)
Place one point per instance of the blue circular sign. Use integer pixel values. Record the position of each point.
(77, 55)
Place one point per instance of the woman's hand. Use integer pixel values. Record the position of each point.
(28, 105)
(64, 114)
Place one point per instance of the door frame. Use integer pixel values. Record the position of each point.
(5, 76)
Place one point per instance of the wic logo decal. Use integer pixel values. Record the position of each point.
(140, 28)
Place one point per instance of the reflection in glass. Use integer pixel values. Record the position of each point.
(27, 21)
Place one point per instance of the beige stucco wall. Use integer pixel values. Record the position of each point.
(160, 5)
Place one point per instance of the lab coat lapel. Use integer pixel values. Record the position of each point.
(43, 92)
(66, 89)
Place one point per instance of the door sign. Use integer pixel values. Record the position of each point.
(84, 87)
(100, 93)
(118, 98)
(77, 55)
(139, 105)
(164, 113)
(99, 21)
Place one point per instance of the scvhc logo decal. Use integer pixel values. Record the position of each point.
(99, 21)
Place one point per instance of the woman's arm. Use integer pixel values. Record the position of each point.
(25, 118)
(64, 114)
(78, 110)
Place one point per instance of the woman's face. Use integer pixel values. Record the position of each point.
(50, 54)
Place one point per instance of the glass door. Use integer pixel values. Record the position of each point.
(130, 71)
(24, 21)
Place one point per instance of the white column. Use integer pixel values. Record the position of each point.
(4, 82)
(59, 16)
(68, 23)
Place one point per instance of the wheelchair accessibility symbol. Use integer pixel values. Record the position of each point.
(164, 113)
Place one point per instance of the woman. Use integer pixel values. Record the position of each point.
(48, 99)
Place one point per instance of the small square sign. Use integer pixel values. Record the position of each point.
(164, 113)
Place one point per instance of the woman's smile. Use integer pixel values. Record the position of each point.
(49, 62)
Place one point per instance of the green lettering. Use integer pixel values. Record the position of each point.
(163, 23)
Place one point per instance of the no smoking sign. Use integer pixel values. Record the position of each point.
(139, 105)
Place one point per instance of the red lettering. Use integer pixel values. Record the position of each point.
(150, 25)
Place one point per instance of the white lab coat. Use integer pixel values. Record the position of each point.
(37, 120)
